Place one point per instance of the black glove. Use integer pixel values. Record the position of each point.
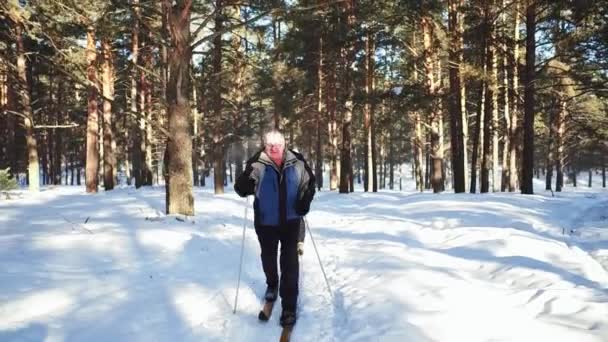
(245, 184)
(303, 204)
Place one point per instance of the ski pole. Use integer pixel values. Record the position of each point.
(319, 258)
(236, 297)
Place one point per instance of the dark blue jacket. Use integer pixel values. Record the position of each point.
(281, 195)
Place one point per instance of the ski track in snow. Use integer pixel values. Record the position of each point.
(402, 267)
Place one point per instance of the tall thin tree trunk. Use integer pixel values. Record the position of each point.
(418, 152)
(369, 182)
(514, 99)
(391, 162)
(92, 164)
(8, 103)
(179, 147)
(195, 139)
(319, 114)
(417, 141)
(435, 113)
(26, 108)
(332, 123)
(529, 102)
(559, 145)
(131, 125)
(456, 107)
(348, 55)
(478, 137)
(490, 107)
(145, 115)
(550, 148)
(505, 98)
(108, 79)
(494, 126)
(218, 153)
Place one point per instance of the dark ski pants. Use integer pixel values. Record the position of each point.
(287, 236)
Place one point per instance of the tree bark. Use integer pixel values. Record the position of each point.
(529, 101)
(26, 109)
(458, 147)
(550, 148)
(490, 108)
(109, 162)
(348, 56)
(417, 140)
(179, 147)
(145, 112)
(319, 114)
(559, 145)
(515, 108)
(218, 148)
(435, 114)
(478, 137)
(332, 123)
(370, 180)
(137, 138)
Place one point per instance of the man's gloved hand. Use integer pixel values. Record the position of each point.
(245, 184)
(303, 204)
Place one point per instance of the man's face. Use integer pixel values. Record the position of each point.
(275, 152)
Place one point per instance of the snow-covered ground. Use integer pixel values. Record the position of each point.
(403, 266)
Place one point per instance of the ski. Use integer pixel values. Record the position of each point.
(286, 333)
(266, 311)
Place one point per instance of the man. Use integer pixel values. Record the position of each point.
(284, 187)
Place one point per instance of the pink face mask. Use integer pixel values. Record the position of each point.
(275, 152)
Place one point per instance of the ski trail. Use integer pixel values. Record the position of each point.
(589, 242)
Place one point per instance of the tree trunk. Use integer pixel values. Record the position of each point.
(478, 137)
(348, 55)
(417, 140)
(590, 177)
(26, 109)
(391, 163)
(195, 133)
(506, 108)
(179, 146)
(130, 125)
(109, 161)
(550, 148)
(145, 112)
(559, 144)
(490, 108)
(529, 104)
(7, 103)
(456, 107)
(418, 152)
(319, 114)
(92, 164)
(332, 124)
(494, 126)
(4, 129)
(514, 99)
(218, 147)
(369, 180)
(436, 176)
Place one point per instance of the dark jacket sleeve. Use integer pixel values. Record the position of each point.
(245, 183)
(307, 188)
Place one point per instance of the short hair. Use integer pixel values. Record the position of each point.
(274, 137)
